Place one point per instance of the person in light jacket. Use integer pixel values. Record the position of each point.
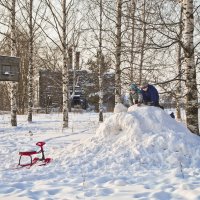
(135, 95)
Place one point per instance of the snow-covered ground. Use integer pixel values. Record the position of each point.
(139, 154)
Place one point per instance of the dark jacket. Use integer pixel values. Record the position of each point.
(151, 96)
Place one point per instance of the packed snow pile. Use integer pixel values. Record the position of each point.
(139, 153)
(144, 137)
(120, 108)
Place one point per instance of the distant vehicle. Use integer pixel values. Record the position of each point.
(77, 98)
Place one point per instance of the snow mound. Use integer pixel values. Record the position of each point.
(119, 107)
(144, 137)
(140, 120)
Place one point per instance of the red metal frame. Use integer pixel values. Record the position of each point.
(30, 153)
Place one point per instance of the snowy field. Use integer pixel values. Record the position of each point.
(140, 154)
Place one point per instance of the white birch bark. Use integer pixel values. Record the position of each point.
(30, 70)
(100, 66)
(133, 8)
(179, 67)
(178, 96)
(143, 42)
(192, 94)
(118, 53)
(71, 67)
(13, 53)
(65, 66)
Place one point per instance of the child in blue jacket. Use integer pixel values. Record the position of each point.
(150, 95)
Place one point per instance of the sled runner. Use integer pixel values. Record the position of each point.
(43, 160)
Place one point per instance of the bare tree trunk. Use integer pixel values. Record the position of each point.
(143, 42)
(133, 7)
(77, 61)
(65, 67)
(99, 58)
(13, 53)
(30, 70)
(71, 66)
(118, 53)
(178, 98)
(70, 53)
(192, 94)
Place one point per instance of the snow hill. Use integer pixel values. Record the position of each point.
(136, 153)
(140, 138)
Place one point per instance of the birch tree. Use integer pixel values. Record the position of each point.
(118, 52)
(99, 56)
(13, 53)
(65, 69)
(13, 86)
(61, 20)
(31, 17)
(191, 84)
(179, 67)
(133, 8)
(144, 35)
(30, 69)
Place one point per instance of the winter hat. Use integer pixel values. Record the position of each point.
(144, 84)
(133, 86)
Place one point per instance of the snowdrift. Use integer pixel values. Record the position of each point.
(143, 137)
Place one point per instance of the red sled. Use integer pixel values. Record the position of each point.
(43, 160)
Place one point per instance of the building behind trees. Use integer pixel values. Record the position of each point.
(83, 90)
